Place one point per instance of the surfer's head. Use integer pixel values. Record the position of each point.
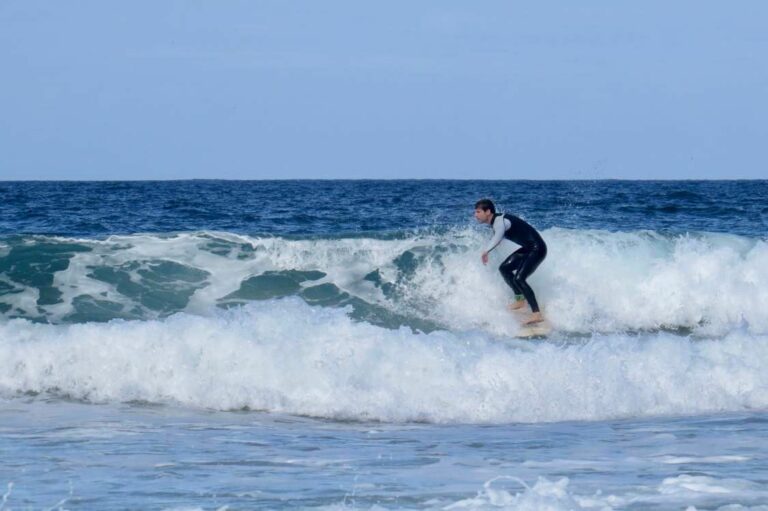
(484, 211)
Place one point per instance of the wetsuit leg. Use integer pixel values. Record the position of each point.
(510, 265)
(527, 266)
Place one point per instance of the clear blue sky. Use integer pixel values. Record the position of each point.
(397, 89)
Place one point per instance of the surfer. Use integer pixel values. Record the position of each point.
(522, 262)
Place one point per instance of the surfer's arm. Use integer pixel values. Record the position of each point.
(500, 225)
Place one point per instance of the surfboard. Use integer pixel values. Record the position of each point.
(537, 330)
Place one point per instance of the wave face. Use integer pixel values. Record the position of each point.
(286, 356)
(592, 281)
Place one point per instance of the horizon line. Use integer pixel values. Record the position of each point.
(370, 179)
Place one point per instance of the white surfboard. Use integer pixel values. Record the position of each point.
(542, 329)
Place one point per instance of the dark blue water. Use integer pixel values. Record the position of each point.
(311, 208)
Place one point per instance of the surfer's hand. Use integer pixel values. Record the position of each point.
(484, 257)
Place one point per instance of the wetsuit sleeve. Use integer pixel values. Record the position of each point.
(500, 225)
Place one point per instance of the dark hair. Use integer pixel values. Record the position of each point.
(485, 205)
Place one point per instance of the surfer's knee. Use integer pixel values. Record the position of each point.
(518, 279)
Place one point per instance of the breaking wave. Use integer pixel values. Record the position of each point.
(289, 357)
(592, 281)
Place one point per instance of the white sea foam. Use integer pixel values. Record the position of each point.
(285, 356)
(608, 282)
(682, 492)
(543, 495)
(505, 492)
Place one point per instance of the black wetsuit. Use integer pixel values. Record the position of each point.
(522, 262)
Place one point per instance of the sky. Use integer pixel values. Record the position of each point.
(436, 89)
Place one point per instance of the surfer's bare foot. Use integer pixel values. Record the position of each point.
(516, 305)
(536, 317)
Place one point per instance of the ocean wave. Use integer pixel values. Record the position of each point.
(285, 356)
(591, 281)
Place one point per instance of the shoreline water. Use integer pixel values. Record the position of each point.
(158, 457)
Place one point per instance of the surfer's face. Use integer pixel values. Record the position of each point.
(483, 215)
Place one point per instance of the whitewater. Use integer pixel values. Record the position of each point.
(285, 356)
(313, 359)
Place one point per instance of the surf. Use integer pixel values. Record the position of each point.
(286, 356)
(592, 281)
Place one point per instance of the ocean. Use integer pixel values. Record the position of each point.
(211, 345)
